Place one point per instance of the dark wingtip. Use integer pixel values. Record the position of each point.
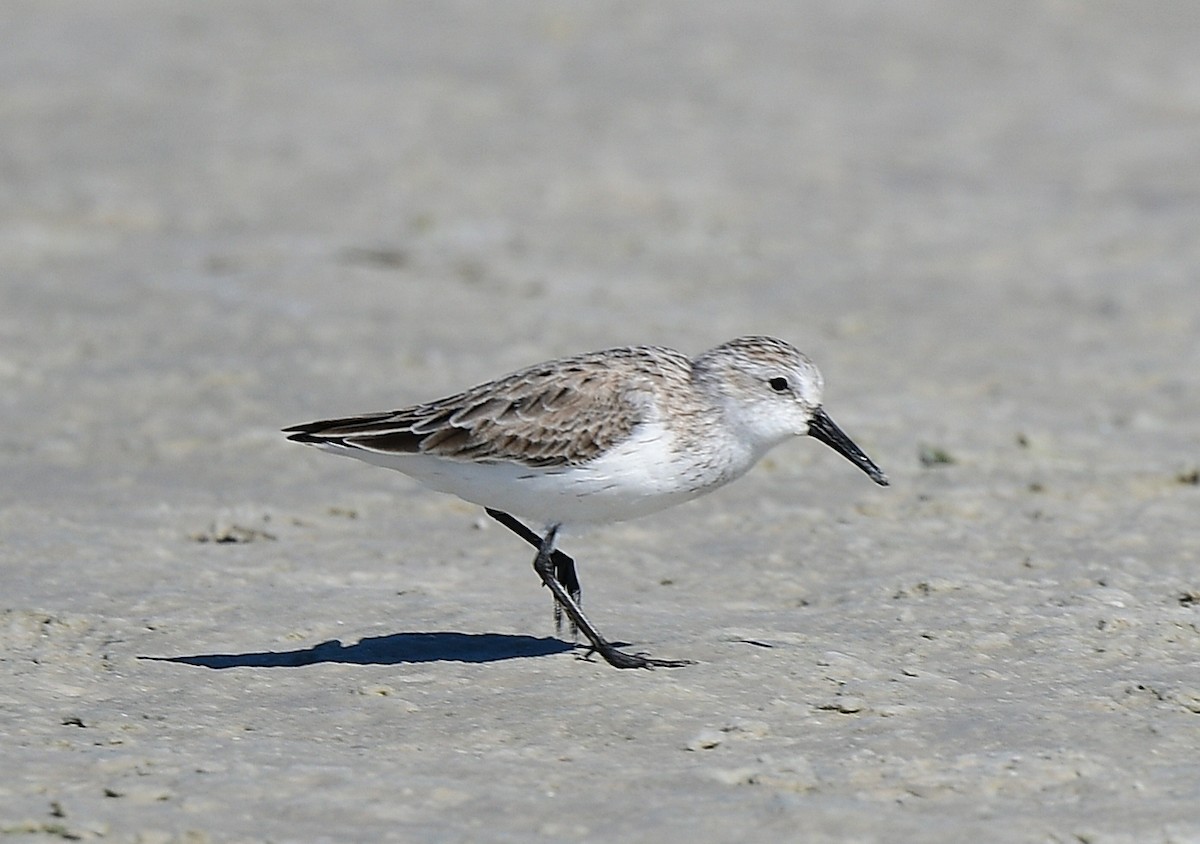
(300, 436)
(308, 432)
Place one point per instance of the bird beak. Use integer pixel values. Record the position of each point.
(822, 428)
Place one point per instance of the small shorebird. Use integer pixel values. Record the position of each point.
(599, 437)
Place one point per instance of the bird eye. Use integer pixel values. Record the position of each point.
(779, 385)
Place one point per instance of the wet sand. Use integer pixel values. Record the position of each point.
(980, 222)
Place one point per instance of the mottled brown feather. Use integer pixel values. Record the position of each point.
(547, 415)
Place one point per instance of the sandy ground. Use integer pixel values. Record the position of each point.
(980, 219)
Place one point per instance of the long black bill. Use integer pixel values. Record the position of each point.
(822, 428)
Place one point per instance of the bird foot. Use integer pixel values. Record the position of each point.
(621, 659)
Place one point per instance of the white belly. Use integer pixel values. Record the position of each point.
(640, 476)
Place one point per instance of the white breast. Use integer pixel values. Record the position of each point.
(642, 475)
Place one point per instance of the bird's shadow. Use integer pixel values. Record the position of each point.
(394, 649)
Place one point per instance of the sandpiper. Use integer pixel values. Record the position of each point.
(599, 437)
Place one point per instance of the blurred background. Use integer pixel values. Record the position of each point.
(312, 208)
(980, 220)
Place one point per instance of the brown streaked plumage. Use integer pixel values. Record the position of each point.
(601, 436)
(565, 412)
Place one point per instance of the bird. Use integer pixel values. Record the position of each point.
(596, 438)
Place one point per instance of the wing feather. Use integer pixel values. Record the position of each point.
(563, 414)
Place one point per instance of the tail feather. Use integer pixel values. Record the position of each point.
(377, 432)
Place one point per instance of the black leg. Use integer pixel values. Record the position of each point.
(543, 564)
(564, 566)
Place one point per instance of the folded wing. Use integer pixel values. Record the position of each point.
(543, 416)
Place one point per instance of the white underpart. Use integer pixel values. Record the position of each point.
(643, 474)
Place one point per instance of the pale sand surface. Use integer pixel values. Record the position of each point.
(980, 219)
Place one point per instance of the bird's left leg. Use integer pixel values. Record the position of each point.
(564, 566)
(544, 566)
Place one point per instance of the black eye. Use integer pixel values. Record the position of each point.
(779, 385)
